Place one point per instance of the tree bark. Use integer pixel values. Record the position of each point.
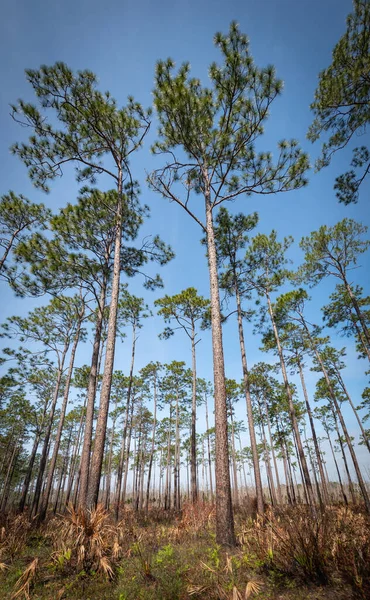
(209, 452)
(358, 311)
(292, 412)
(45, 500)
(124, 435)
(252, 433)
(224, 513)
(27, 479)
(314, 437)
(90, 405)
(153, 440)
(45, 448)
(193, 449)
(342, 422)
(279, 495)
(101, 426)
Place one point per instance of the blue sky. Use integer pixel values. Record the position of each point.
(120, 42)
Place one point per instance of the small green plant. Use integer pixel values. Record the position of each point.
(164, 555)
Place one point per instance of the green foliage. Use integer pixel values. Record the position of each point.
(18, 218)
(342, 102)
(92, 129)
(332, 251)
(217, 127)
(185, 309)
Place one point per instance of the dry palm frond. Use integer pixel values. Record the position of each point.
(116, 550)
(193, 590)
(106, 568)
(253, 587)
(22, 586)
(236, 594)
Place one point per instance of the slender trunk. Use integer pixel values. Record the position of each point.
(224, 512)
(267, 459)
(340, 441)
(127, 459)
(342, 422)
(358, 311)
(193, 449)
(110, 456)
(153, 440)
(27, 479)
(176, 491)
(291, 475)
(279, 495)
(8, 477)
(101, 426)
(90, 405)
(292, 412)
(302, 477)
(314, 437)
(124, 435)
(45, 500)
(209, 451)
(338, 471)
(75, 455)
(167, 496)
(233, 454)
(252, 433)
(344, 388)
(45, 448)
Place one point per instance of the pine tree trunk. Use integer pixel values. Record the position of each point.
(338, 471)
(167, 495)
(110, 456)
(314, 437)
(176, 490)
(224, 513)
(292, 412)
(45, 448)
(127, 459)
(8, 477)
(124, 435)
(90, 405)
(233, 454)
(252, 433)
(350, 484)
(344, 388)
(279, 494)
(193, 453)
(209, 451)
(153, 441)
(358, 311)
(267, 459)
(342, 422)
(101, 426)
(27, 479)
(75, 455)
(50, 475)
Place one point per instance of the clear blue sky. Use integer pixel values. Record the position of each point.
(120, 42)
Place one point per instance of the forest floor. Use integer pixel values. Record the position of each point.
(290, 555)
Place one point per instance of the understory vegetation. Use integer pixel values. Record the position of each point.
(289, 553)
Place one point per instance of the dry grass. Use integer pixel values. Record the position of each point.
(175, 556)
(323, 549)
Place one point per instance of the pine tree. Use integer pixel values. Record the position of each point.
(342, 102)
(209, 136)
